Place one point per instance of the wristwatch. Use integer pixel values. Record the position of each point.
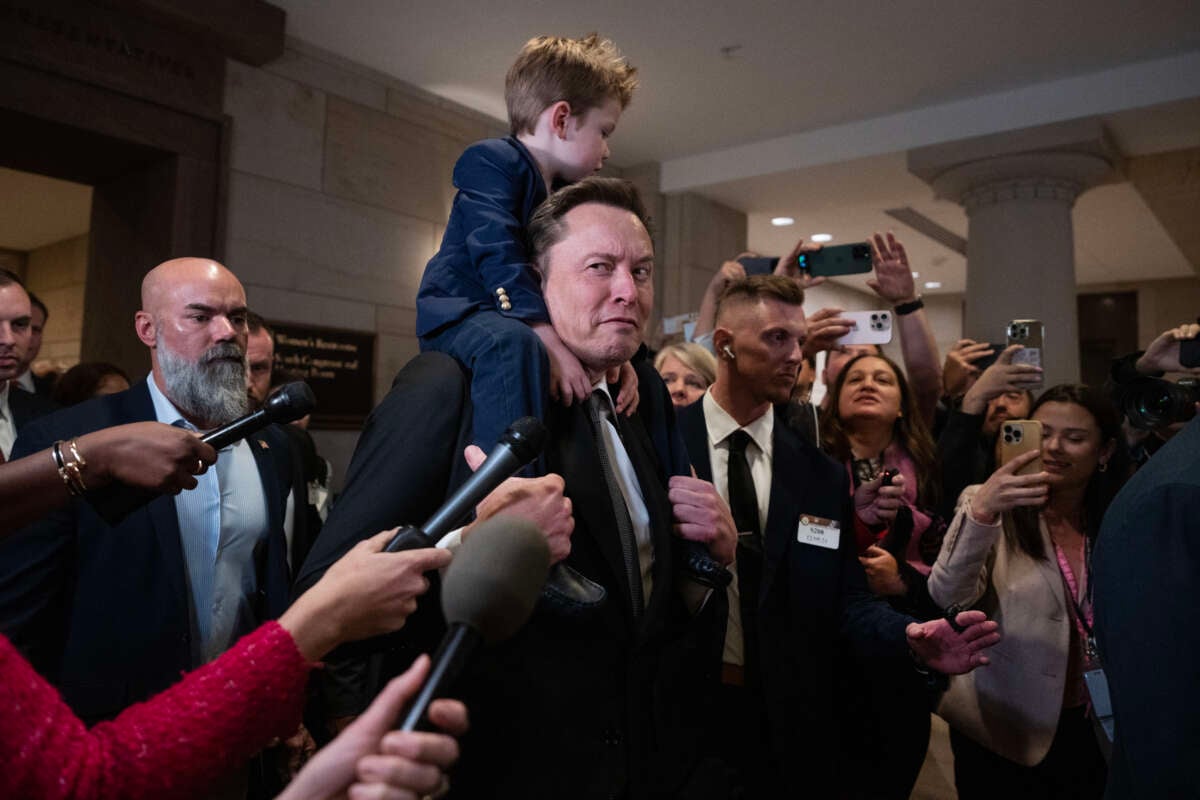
(909, 307)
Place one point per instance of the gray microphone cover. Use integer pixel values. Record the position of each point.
(496, 576)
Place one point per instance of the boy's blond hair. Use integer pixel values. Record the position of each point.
(585, 72)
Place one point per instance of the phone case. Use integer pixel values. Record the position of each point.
(758, 265)
(838, 259)
(1019, 436)
(1027, 333)
(870, 327)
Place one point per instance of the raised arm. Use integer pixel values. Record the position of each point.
(893, 282)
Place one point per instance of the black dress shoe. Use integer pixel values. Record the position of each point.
(569, 593)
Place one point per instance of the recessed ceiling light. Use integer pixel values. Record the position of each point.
(779, 222)
(821, 238)
(933, 284)
(916, 274)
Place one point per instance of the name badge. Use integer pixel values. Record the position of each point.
(819, 531)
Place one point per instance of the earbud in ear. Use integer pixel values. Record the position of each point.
(727, 351)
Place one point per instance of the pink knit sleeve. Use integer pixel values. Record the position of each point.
(172, 745)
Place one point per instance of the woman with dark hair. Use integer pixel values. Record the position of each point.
(1019, 548)
(872, 425)
(87, 380)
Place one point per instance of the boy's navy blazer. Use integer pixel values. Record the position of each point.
(483, 250)
(103, 611)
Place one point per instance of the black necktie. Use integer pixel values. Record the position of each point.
(599, 412)
(743, 503)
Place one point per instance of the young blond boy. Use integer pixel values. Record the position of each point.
(480, 300)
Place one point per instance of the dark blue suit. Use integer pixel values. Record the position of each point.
(1146, 573)
(103, 611)
(479, 295)
(813, 604)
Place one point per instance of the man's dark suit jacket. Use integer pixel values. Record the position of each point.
(1146, 571)
(104, 611)
(579, 708)
(499, 187)
(26, 406)
(813, 603)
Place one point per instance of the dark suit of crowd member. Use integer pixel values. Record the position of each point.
(602, 702)
(26, 406)
(103, 610)
(1146, 568)
(106, 611)
(787, 669)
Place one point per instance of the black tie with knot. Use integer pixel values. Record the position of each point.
(599, 410)
(743, 503)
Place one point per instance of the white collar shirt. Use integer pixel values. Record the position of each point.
(8, 428)
(759, 453)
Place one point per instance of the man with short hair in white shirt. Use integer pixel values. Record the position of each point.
(799, 593)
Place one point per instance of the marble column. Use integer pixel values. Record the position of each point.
(1018, 190)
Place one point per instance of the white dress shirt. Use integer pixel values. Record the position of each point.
(8, 428)
(632, 491)
(758, 455)
(221, 521)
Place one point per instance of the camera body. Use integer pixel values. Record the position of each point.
(1150, 403)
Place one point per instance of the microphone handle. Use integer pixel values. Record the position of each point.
(409, 537)
(238, 429)
(501, 463)
(457, 646)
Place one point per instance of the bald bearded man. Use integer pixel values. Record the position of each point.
(114, 614)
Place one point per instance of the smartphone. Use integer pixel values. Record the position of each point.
(840, 259)
(870, 327)
(987, 361)
(1027, 333)
(759, 265)
(1019, 436)
(888, 475)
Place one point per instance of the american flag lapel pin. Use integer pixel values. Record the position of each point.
(263, 444)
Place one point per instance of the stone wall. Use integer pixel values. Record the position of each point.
(56, 273)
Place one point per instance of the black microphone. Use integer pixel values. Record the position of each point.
(488, 593)
(517, 446)
(288, 403)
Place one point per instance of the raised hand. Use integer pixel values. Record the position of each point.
(539, 500)
(1001, 377)
(789, 266)
(1163, 353)
(937, 645)
(893, 279)
(825, 327)
(1004, 490)
(959, 371)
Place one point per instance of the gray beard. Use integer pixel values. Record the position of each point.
(211, 391)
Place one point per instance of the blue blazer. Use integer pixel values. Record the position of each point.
(813, 604)
(1146, 578)
(103, 611)
(483, 250)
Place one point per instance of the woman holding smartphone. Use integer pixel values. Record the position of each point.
(1019, 549)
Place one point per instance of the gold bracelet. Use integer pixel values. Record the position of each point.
(71, 471)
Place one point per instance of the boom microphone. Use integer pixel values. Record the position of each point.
(517, 446)
(287, 403)
(488, 593)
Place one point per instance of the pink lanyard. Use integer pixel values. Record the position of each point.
(1083, 615)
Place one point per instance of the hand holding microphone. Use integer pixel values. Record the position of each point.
(488, 593)
(289, 402)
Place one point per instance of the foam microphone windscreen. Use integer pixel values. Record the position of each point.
(291, 401)
(526, 436)
(496, 577)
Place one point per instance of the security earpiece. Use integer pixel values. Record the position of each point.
(727, 351)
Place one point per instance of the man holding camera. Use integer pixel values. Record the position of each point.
(1146, 568)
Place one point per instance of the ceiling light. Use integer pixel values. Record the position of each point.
(821, 238)
(779, 222)
(916, 274)
(933, 284)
